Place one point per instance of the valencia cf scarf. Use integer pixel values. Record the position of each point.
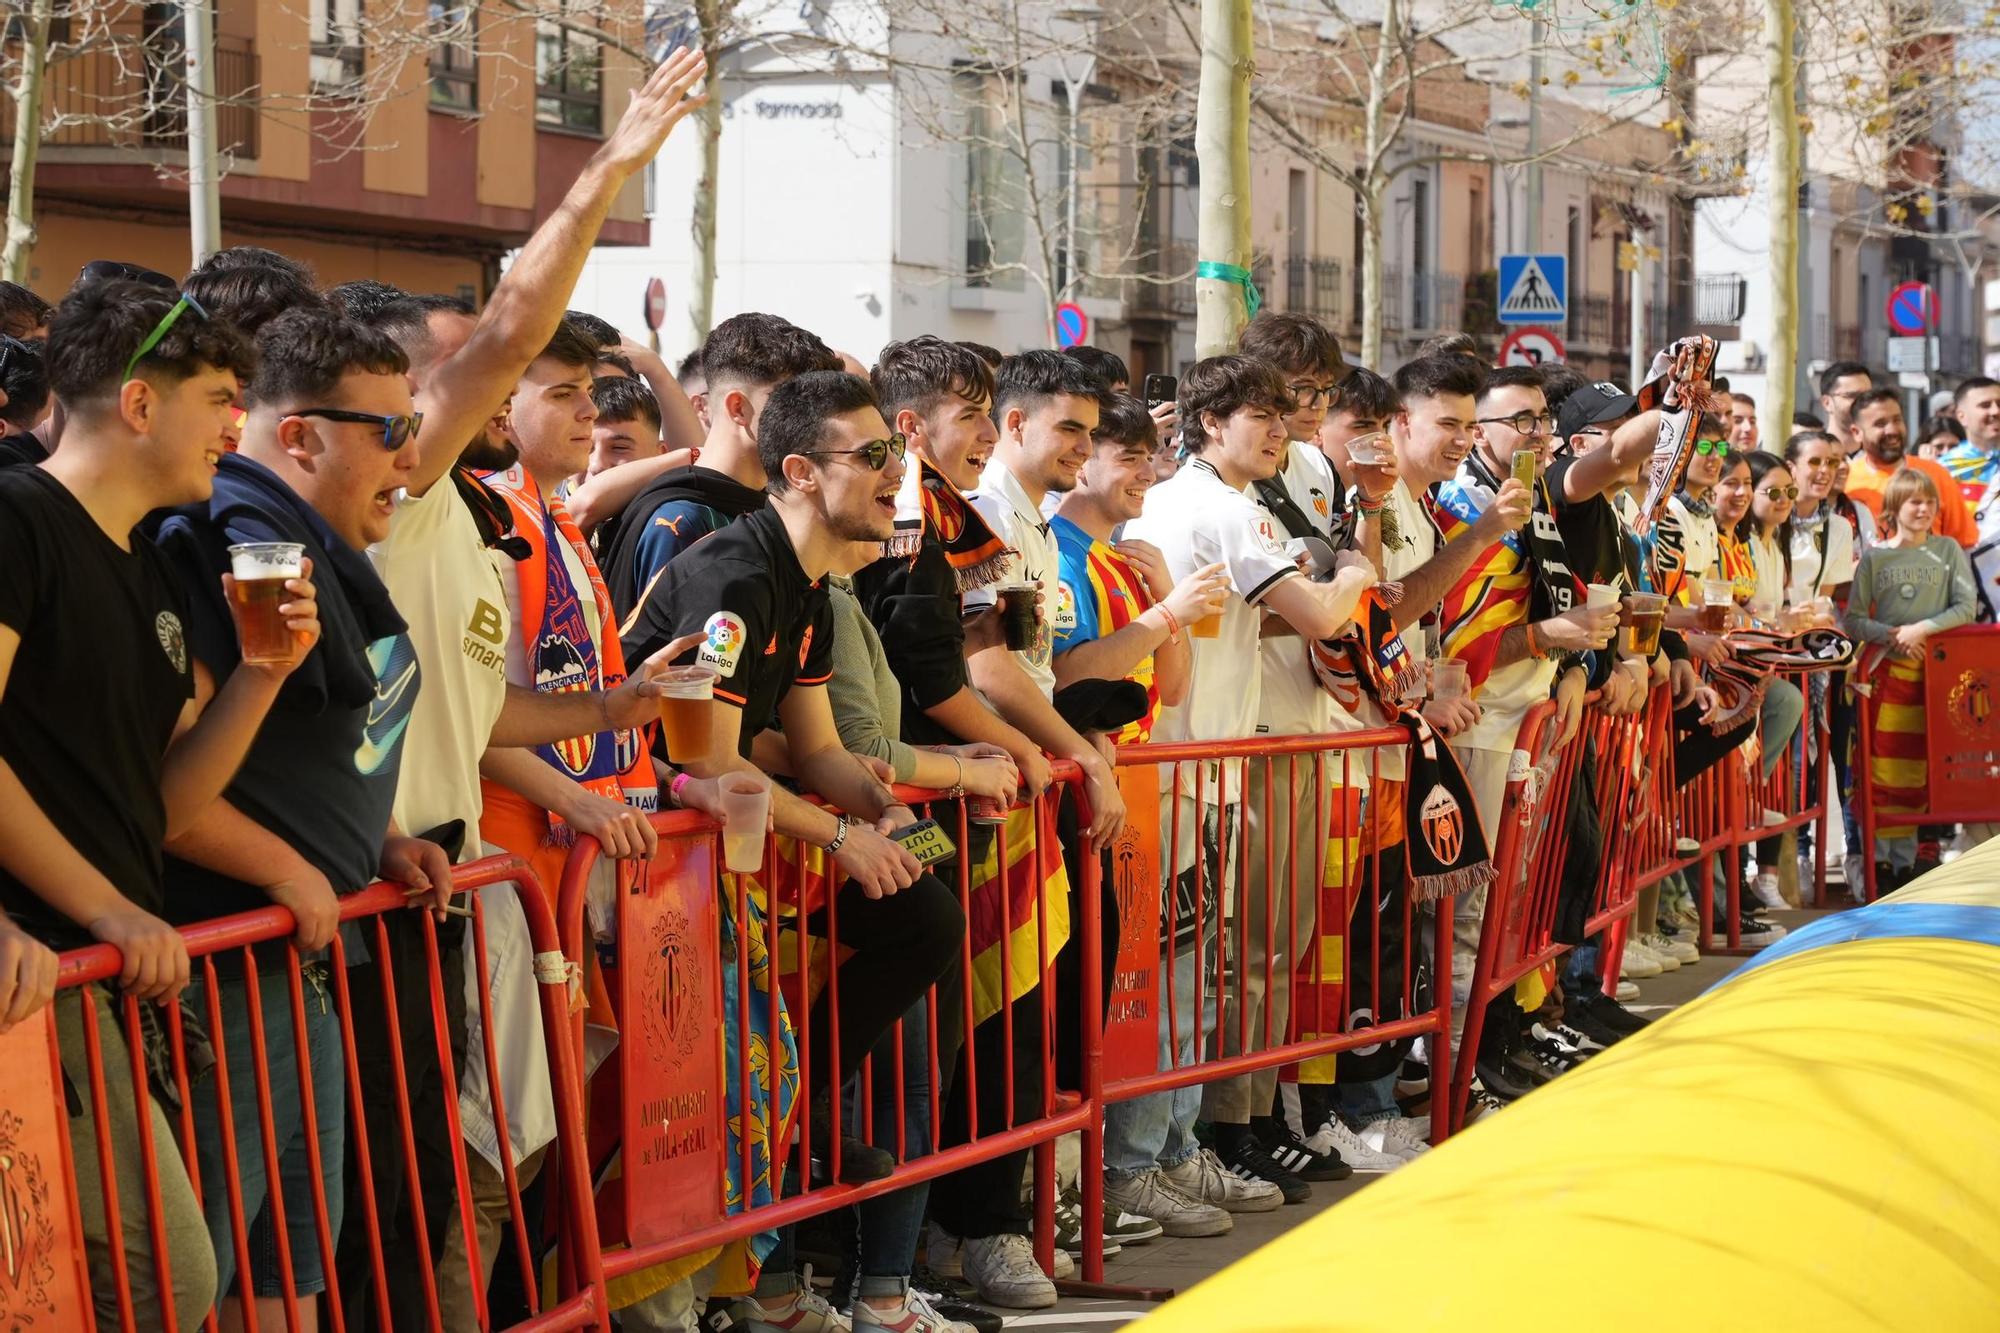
(563, 656)
(926, 500)
(1671, 388)
(1755, 654)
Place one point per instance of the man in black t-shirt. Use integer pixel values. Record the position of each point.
(101, 758)
(308, 816)
(757, 590)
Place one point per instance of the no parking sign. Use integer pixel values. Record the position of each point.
(1531, 347)
(1072, 325)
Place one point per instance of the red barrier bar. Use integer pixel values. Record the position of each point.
(577, 1302)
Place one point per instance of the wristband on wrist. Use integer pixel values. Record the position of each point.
(1368, 508)
(1535, 649)
(1173, 625)
(839, 836)
(680, 781)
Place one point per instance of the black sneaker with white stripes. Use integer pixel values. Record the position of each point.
(1288, 1151)
(1248, 1160)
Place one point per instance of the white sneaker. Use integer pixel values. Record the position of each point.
(1637, 963)
(1203, 1178)
(1679, 950)
(915, 1316)
(800, 1311)
(1064, 1267)
(1004, 1271)
(944, 1253)
(1177, 1212)
(1667, 961)
(1628, 991)
(1335, 1137)
(1765, 886)
(1398, 1136)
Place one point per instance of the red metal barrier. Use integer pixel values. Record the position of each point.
(1961, 712)
(674, 1206)
(1148, 859)
(1517, 932)
(578, 1301)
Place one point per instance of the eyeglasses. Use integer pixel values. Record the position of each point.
(160, 329)
(397, 431)
(1716, 448)
(1780, 492)
(875, 453)
(1311, 395)
(1523, 423)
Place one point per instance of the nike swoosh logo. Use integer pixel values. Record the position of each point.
(375, 748)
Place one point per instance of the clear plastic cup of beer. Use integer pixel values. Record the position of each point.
(687, 696)
(258, 571)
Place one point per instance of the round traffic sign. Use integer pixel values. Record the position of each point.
(656, 304)
(1530, 347)
(1912, 308)
(1072, 325)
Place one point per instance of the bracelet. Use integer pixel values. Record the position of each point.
(1534, 649)
(957, 780)
(674, 787)
(1367, 510)
(1173, 625)
(839, 836)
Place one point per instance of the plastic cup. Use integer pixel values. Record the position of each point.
(1718, 598)
(1370, 450)
(258, 571)
(687, 695)
(1020, 611)
(1598, 596)
(1449, 679)
(1644, 614)
(746, 810)
(1207, 627)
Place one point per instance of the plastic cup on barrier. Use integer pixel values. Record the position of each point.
(687, 695)
(746, 811)
(258, 571)
(1449, 679)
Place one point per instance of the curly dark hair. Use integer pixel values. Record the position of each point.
(1124, 420)
(1295, 344)
(921, 372)
(99, 326)
(304, 354)
(21, 311)
(760, 349)
(1223, 385)
(619, 398)
(364, 298)
(251, 295)
(24, 374)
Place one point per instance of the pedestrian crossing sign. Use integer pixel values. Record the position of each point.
(1534, 289)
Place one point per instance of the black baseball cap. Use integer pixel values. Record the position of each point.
(1591, 404)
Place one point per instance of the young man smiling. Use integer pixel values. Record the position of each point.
(1878, 428)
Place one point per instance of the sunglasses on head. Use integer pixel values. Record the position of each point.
(167, 321)
(115, 270)
(875, 453)
(1780, 492)
(396, 430)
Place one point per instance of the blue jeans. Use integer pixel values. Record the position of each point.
(1158, 1129)
(280, 1073)
(1365, 1103)
(890, 1223)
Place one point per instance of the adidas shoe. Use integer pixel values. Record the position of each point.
(1669, 946)
(1288, 1151)
(1335, 1137)
(1204, 1178)
(1400, 1136)
(1248, 1161)
(1567, 1037)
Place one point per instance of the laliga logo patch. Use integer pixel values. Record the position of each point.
(1443, 823)
(726, 636)
(1065, 607)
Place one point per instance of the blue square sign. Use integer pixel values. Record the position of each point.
(1534, 289)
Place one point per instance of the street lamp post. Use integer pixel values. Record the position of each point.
(1084, 18)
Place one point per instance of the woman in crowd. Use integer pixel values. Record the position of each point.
(1765, 533)
(1908, 587)
(1939, 435)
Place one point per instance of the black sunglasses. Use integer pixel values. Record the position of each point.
(875, 453)
(396, 430)
(103, 270)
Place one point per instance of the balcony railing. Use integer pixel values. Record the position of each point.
(1719, 298)
(1590, 322)
(133, 95)
(1418, 304)
(1312, 287)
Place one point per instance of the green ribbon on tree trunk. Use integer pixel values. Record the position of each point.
(1236, 273)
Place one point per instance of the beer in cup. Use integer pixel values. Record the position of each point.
(258, 571)
(1718, 604)
(1370, 450)
(687, 695)
(1644, 614)
(1020, 611)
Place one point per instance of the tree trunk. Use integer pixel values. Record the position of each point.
(708, 124)
(27, 95)
(1222, 146)
(1368, 206)
(1780, 70)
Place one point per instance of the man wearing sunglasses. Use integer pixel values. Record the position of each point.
(327, 442)
(757, 599)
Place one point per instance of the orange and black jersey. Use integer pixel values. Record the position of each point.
(768, 626)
